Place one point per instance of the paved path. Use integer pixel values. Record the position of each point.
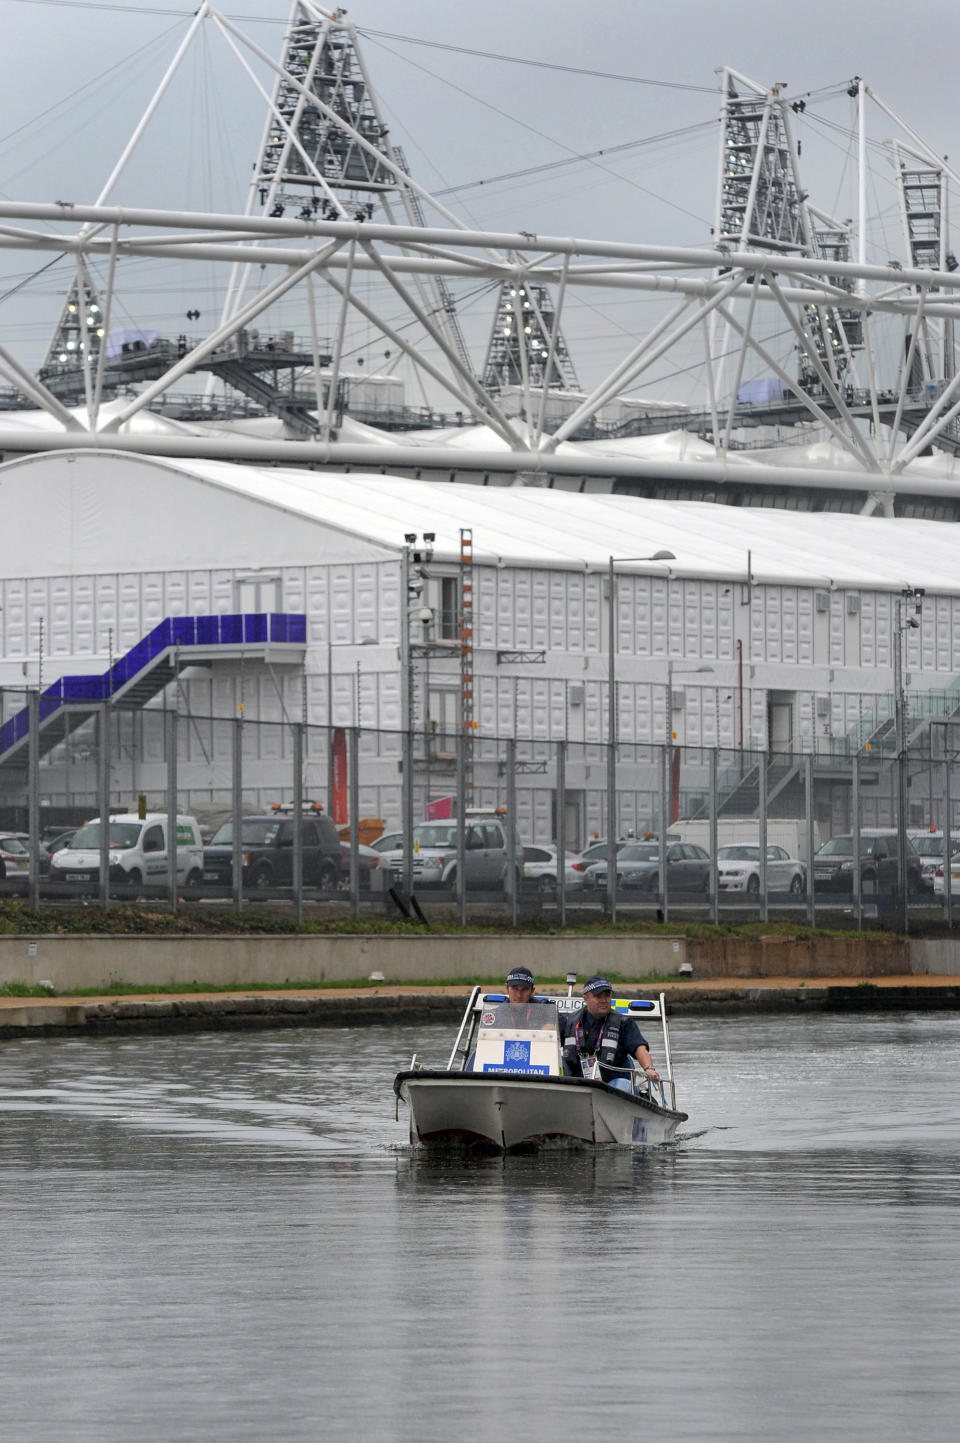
(312, 1006)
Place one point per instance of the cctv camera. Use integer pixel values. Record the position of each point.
(409, 537)
(429, 536)
(912, 621)
(425, 614)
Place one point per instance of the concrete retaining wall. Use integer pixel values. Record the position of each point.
(96, 962)
(935, 956)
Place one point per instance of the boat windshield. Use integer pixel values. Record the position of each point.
(520, 1016)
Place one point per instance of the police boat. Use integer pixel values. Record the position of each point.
(504, 1087)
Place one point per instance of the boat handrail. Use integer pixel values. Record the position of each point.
(463, 1025)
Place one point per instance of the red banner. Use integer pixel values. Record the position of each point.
(440, 810)
(341, 814)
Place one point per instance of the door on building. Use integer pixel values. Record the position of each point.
(780, 726)
(572, 819)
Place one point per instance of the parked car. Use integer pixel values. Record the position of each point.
(541, 867)
(738, 869)
(389, 842)
(43, 853)
(940, 886)
(55, 841)
(267, 851)
(14, 858)
(590, 856)
(931, 850)
(833, 864)
(369, 861)
(137, 852)
(486, 854)
(638, 868)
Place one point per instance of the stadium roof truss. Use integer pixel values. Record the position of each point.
(773, 255)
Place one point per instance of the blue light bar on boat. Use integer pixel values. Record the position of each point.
(502, 997)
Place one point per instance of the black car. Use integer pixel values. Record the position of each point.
(267, 849)
(879, 850)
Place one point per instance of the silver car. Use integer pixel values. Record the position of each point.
(638, 868)
(738, 870)
(486, 855)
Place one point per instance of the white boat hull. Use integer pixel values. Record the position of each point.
(506, 1112)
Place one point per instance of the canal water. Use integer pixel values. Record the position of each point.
(222, 1237)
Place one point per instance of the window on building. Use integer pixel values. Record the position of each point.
(258, 593)
(449, 608)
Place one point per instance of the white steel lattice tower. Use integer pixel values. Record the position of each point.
(75, 346)
(326, 149)
(526, 347)
(761, 206)
(923, 195)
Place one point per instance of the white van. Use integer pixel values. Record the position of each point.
(138, 853)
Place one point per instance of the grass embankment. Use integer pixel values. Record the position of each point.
(19, 920)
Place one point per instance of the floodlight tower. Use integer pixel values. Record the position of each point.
(924, 211)
(526, 346)
(326, 149)
(71, 359)
(761, 204)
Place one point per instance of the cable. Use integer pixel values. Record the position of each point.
(538, 64)
(575, 159)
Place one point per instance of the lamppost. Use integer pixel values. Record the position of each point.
(903, 623)
(612, 720)
(414, 557)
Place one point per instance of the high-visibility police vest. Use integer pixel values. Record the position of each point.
(607, 1049)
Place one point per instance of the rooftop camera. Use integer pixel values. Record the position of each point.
(409, 537)
(429, 536)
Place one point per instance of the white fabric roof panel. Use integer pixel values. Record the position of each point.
(90, 511)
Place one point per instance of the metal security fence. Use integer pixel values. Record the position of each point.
(418, 823)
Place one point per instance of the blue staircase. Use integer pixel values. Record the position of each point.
(142, 672)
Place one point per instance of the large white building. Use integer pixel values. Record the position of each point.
(774, 630)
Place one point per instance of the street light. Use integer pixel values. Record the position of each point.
(903, 623)
(612, 718)
(414, 558)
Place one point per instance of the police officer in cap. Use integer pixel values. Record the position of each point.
(597, 1032)
(516, 1011)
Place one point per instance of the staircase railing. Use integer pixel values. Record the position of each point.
(235, 629)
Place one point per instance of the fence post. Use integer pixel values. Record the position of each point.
(237, 781)
(353, 768)
(407, 801)
(298, 821)
(561, 831)
(612, 820)
(512, 887)
(666, 780)
(763, 779)
(103, 786)
(857, 879)
(808, 803)
(461, 828)
(714, 873)
(947, 841)
(33, 795)
(171, 729)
